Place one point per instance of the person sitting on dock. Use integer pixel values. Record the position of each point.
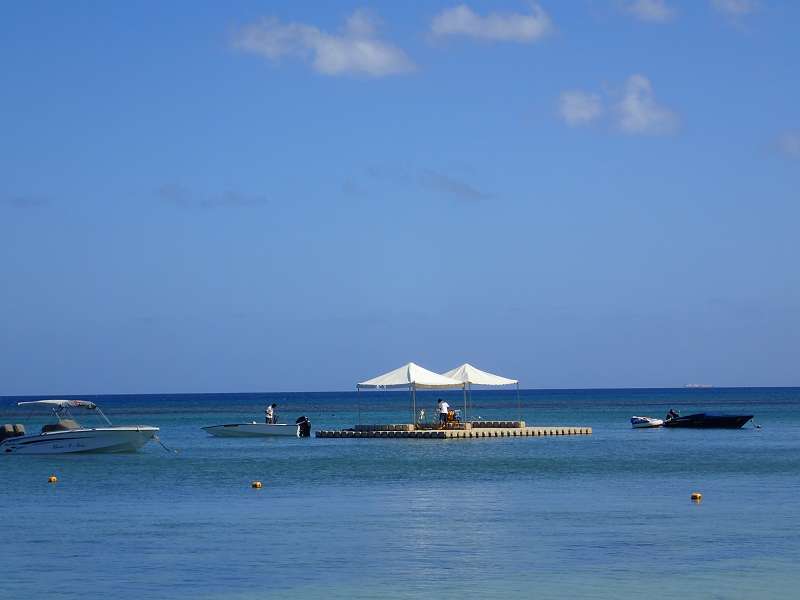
(270, 414)
(444, 408)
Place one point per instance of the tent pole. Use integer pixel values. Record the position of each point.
(465, 402)
(519, 404)
(358, 402)
(414, 405)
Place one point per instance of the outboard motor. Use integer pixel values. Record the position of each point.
(9, 431)
(304, 426)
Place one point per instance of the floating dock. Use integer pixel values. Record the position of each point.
(475, 429)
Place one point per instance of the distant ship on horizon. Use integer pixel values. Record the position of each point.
(698, 385)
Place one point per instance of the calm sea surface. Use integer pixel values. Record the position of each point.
(599, 516)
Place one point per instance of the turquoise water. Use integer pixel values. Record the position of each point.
(598, 516)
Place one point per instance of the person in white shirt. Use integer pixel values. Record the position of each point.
(444, 408)
(269, 414)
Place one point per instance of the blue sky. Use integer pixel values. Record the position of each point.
(259, 196)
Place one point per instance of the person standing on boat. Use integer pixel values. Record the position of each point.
(270, 414)
(444, 408)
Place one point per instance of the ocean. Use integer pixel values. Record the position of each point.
(601, 516)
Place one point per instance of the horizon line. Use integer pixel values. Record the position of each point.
(688, 387)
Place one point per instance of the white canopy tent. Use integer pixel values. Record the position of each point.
(470, 376)
(413, 377)
(410, 374)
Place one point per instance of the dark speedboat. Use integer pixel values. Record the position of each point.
(708, 421)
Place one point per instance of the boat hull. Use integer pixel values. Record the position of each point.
(708, 421)
(254, 430)
(645, 422)
(101, 439)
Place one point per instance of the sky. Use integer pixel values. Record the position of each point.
(278, 196)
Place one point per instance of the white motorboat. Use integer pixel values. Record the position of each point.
(301, 428)
(645, 422)
(66, 435)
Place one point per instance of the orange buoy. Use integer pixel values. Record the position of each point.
(256, 485)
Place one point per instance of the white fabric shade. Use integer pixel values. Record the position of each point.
(409, 375)
(466, 373)
(62, 403)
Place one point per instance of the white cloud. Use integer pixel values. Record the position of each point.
(452, 186)
(652, 11)
(182, 197)
(429, 180)
(578, 108)
(633, 110)
(507, 27)
(639, 113)
(789, 143)
(357, 49)
(735, 8)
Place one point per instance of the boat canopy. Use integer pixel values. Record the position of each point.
(466, 373)
(63, 403)
(410, 375)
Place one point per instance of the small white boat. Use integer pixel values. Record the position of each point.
(645, 422)
(302, 428)
(66, 435)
